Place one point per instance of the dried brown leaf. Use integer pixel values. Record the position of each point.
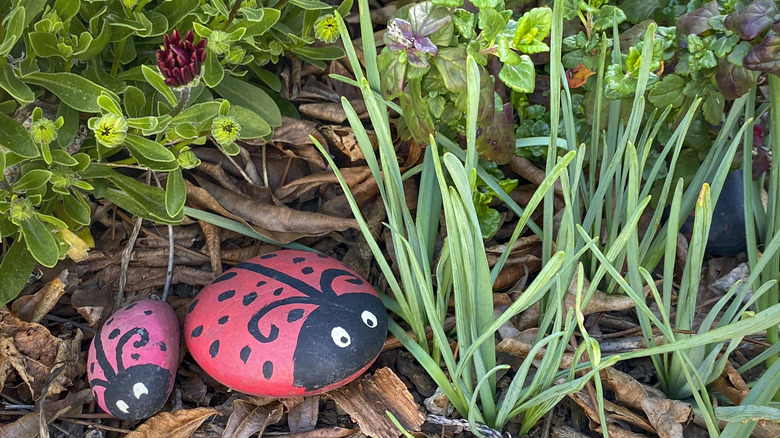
(281, 221)
(213, 243)
(28, 426)
(32, 308)
(666, 416)
(343, 139)
(303, 416)
(731, 385)
(332, 111)
(368, 398)
(327, 432)
(91, 314)
(248, 418)
(293, 190)
(528, 170)
(177, 424)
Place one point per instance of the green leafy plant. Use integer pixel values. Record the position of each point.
(93, 94)
(424, 65)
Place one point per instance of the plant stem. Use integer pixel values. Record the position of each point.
(773, 206)
(185, 96)
(233, 13)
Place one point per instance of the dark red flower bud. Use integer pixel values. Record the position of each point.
(180, 61)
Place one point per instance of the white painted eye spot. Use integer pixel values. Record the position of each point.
(340, 337)
(139, 389)
(123, 406)
(369, 319)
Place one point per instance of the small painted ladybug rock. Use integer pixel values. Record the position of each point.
(286, 324)
(132, 360)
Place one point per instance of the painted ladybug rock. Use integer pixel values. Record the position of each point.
(132, 360)
(287, 323)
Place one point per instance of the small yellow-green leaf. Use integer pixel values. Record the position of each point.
(158, 82)
(151, 154)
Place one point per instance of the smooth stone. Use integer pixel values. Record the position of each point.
(286, 324)
(132, 360)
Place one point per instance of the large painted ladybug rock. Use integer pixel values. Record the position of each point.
(286, 324)
(132, 360)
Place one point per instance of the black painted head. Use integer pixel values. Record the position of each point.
(138, 392)
(339, 339)
(135, 392)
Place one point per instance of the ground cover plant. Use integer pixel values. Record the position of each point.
(514, 179)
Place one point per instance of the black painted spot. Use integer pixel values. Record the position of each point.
(192, 306)
(279, 291)
(322, 256)
(260, 283)
(130, 306)
(294, 315)
(163, 347)
(147, 312)
(197, 331)
(245, 353)
(355, 281)
(110, 320)
(225, 276)
(307, 270)
(268, 369)
(248, 298)
(92, 367)
(114, 333)
(226, 295)
(214, 349)
(222, 320)
(268, 256)
(135, 356)
(299, 259)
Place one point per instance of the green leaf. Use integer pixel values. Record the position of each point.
(252, 125)
(250, 96)
(44, 44)
(97, 44)
(639, 10)
(134, 101)
(492, 23)
(40, 242)
(212, 70)
(451, 64)
(712, 108)
(32, 180)
(175, 193)
(14, 86)
(325, 53)
(15, 270)
(532, 28)
(520, 77)
(157, 81)
(67, 9)
(16, 139)
(175, 11)
(151, 153)
(77, 208)
(311, 5)
(140, 199)
(14, 27)
(73, 90)
(110, 105)
(669, 91)
(607, 17)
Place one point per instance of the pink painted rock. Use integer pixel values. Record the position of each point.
(132, 360)
(285, 324)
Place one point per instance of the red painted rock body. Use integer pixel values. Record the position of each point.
(132, 360)
(285, 324)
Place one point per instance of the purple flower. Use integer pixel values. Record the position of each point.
(412, 36)
(180, 61)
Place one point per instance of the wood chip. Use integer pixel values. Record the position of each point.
(367, 399)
